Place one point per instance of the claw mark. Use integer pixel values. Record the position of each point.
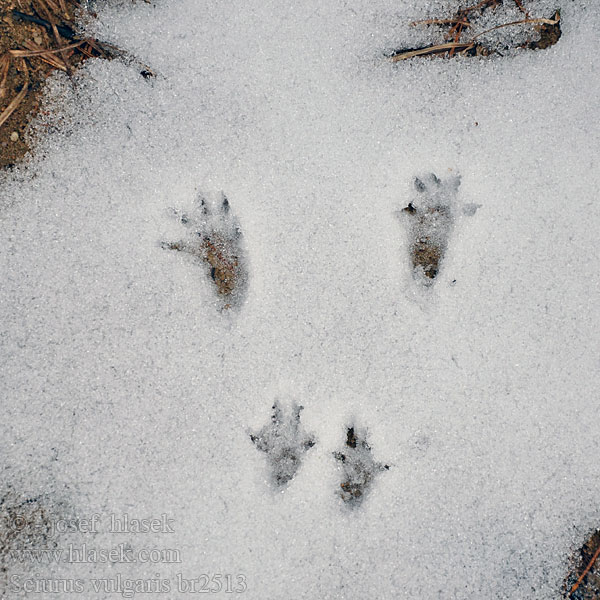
(431, 219)
(284, 441)
(359, 467)
(216, 239)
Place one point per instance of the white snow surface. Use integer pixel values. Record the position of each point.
(125, 389)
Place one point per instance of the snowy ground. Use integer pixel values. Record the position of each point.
(125, 389)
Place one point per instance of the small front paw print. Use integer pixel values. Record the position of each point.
(215, 238)
(359, 466)
(285, 442)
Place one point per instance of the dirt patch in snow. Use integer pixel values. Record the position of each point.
(38, 37)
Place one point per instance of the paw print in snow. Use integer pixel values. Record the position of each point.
(359, 467)
(215, 237)
(431, 216)
(284, 441)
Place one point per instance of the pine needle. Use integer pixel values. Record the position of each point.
(432, 50)
(441, 22)
(4, 66)
(43, 52)
(45, 56)
(10, 109)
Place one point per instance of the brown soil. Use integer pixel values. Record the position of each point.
(224, 264)
(427, 255)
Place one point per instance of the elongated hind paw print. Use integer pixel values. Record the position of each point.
(430, 217)
(284, 441)
(359, 467)
(216, 239)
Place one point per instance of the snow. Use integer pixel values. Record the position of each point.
(127, 389)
